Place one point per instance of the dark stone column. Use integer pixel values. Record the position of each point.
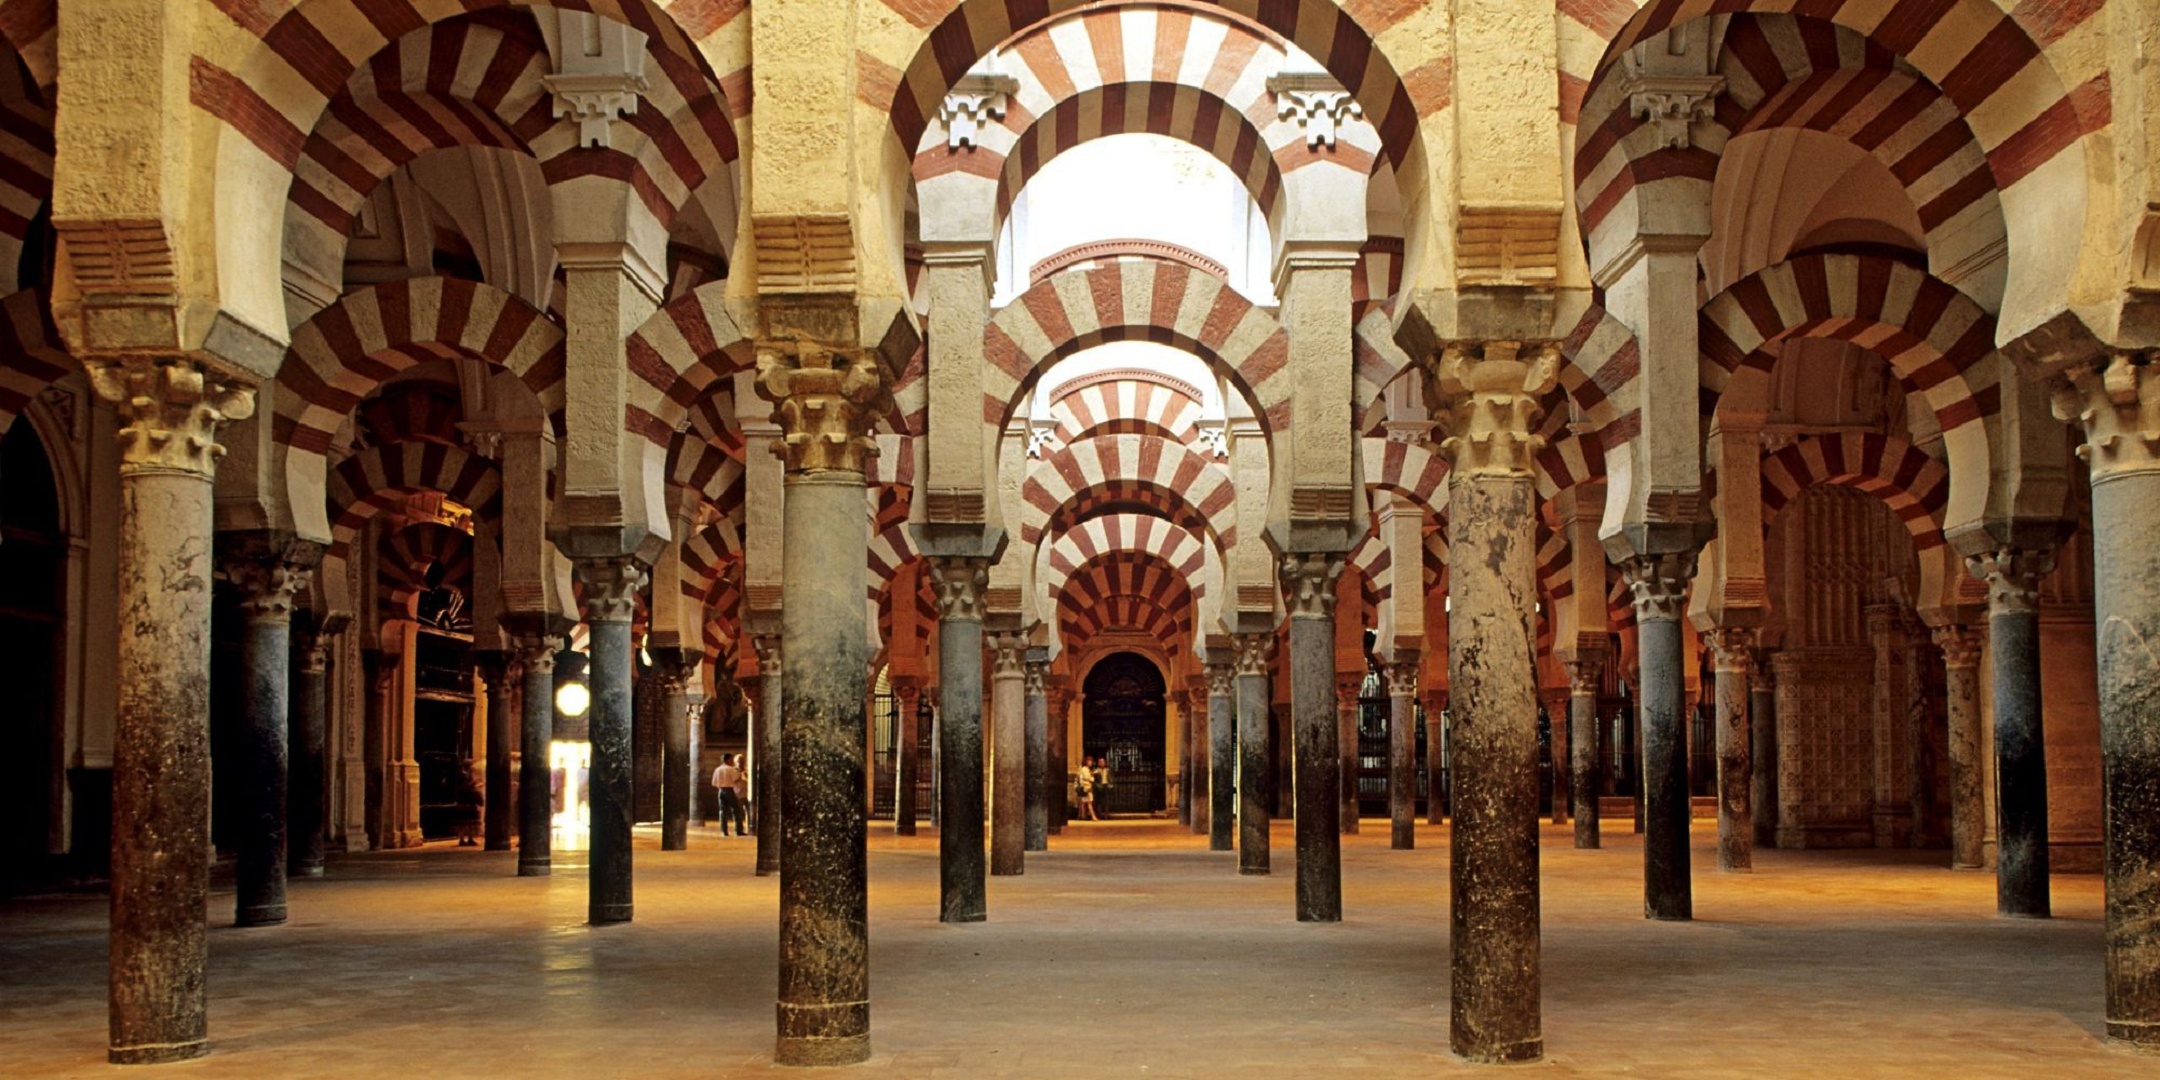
(2021, 817)
(169, 413)
(1732, 655)
(536, 738)
(1222, 756)
(1960, 645)
(1181, 702)
(962, 883)
(909, 693)
(1038, 750)
(1659, 583)
(609, 600)
(266, 571)
(1347, 685)
(1555, 708)
(1586, 673)
(1255, 777)
(1008, 809)
(1197, 713)
(308, 743)
(766, 777)
(496, 669)
(1435, 756)
(1762, 739)
(1057, 698)
(1309, 593)
(1490, 391)
(675, 668)
(1402, 754)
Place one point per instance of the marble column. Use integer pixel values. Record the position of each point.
(962, 888)
(1402, 754)
(497, 668)
(1038, 750)
(2021, 813)
(826, 401)
(1179, 705)
(909, 691)
(1586, 673)
(170, 410)
(1308, 580)
(1255, 777)
(308, 742)
(1008, 756)
(1222, 756)
(1435, 756)
(1347, 723)
(1732, 650)
(1197, 713)
(1659, 584)
(766, 777)
(267, 576)
(608, 598)
(1892, 809)
(1489, 391)
(1057, 700)
(1762, 748)
(1960, 645)
(674, 668)
(536, 738)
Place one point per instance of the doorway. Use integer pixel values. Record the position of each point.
(1122, 722)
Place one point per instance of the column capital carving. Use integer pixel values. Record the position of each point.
(2013, 578)
(1659, 583)
(609, 586)
(2115, 401)
(1732, 648)
(1037, 673)
(1960, 645)
(1308, 582)
(1585, 673)
(1347, 685)
(1489, 391)
(1761, 671)
(973, 103)
(1674, 104)
(171, 408)
(536, 655)
(313, 647)
(270, 572)
(959, 581)
(1402, 679)
(1252, 652)
(826, 401)
(1316, 103)
(1007, 648)
(767, 647)
(1221, 680)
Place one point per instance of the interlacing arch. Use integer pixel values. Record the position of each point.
(1176, 548)
(677, 357)
(1125, 590)
(408, 557)
(1408, 468)
(380, 477)
(1126, 401)
(1136, 299)
(1145, 468)
(1915, 486)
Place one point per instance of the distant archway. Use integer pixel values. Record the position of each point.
(1122, 723)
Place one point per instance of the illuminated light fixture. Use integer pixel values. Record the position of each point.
(572, 699)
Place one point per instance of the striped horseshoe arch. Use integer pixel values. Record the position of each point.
(380, 477)
(677, 357)
(408, 557)
(1136, 299)
(1915, 486)
(1149, 469)
(1126, 590)
(31, 356)
(1177, 549)
(1127, 401)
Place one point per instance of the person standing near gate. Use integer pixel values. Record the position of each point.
(1084, 790)
(728, 778)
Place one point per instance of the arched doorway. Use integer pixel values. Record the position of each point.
(33, 553)
(1122, 723)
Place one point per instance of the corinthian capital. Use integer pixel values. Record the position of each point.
(958, 582)
(269, 570)
(1489, 391)
(1308, 581)
(1960, 645)
(608, 587)
(1252, 652)
(170, 410)
(826, 401)
(1732, 648)
(1221, 680)
(2013, 578)
(2115, 400)
(1674, 104)
(1659, 584)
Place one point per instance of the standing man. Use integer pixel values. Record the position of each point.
(728, 778)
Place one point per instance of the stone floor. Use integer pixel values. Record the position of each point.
(1128, 951)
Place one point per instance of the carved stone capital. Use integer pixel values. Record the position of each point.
(609, 587)
(1316, 103)
(959, 581)
(1659, 584)
(826, 401)
(2115, 400)
(1489, 392)
(536, 656)
(1252, 652)
(1732, 648)
(1221, 680)
(1308, 582)
(595, 100)
(2013, 578)
(1402, 679)
(269, 570)
(1007, 651)
(1037, 673)
(1585, 674)
(975, 102)
(170, 410)
(1674, 104)
(1347, 685)
(767, 647)
(1960, 645)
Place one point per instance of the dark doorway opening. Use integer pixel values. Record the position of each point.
(33, 553)
(1122, 724)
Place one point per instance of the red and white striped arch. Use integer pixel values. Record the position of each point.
(1125, 590)
(31, 355)
(1126, 401)
(406, 557)
(1177, 549)
(706, 456)
(1136, 299)
(380, 477)
(1145, 468)
(678, 357)
(1916, 486)
(26, 158)
(1933, 336)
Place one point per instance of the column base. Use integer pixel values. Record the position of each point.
(535, 869)
(1404, 838)
(498, 846)
(608, 914)
(157, 1053)
(2024, 915)
(2138, 1035)
(1506, 1054)
(304, 872)
(1253, 871)
(823, 1049)
(812, 1053)
(264, 915)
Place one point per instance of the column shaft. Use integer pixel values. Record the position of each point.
(767, 779)
(2021, 817)
(1660, 588)
(1585, 673)
(500, 817)
(1734, 652)
(1961, 693)
(1402, 755)
(906, 766)
(1347, 724)
(1315, 731)
(962, 887)
(536, 737)
(677, 772)
(308, 741)
(1255, 779)
(1056, 703)
(1222, 757)
(1038, 756)
(608, 673)
(266, 585)
(1762, 747)
(1435, 757)
(1008, 760)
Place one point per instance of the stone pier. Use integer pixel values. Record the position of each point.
(2021, 812)
(1762, 746)
(1008, 758)
(308, 742)
(267, 572)
(1490, 391)
(608, 598)
(766, 775)
(499, 817)
(1586, 673)
(1038, 750)
(909, 692)
(1732, 656)
(826, 401)
(1255, 788)
(1960, 647)
(1659, 585)
(675, 668)
(1308, 581)
(963, 890)
(170, 410)
(1222, 756)
(1402, 754)
(1347, 685)
(536, 735)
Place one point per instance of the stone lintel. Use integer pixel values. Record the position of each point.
(957, 540)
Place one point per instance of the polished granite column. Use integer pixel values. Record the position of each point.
(1659, 584)
(1198, 710)
(1960, 645)
(1255, 776)
(766, 777)
(908, 690)
(675, 668)
(1489, 392)
(1308, 581)
(1762, 747)
(1038, 750)
(1008, 760)
(1586, 673)
(1222, 756)
(2021, 810)
(1435, 756)
(962, 883)
(1402, 755)
(308, 742)
(536, 738)
(170, 410)
(1057, 699)
(267, 571)
(1732, 651)
(1347, 723)
(497, 815)
(608, 588)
